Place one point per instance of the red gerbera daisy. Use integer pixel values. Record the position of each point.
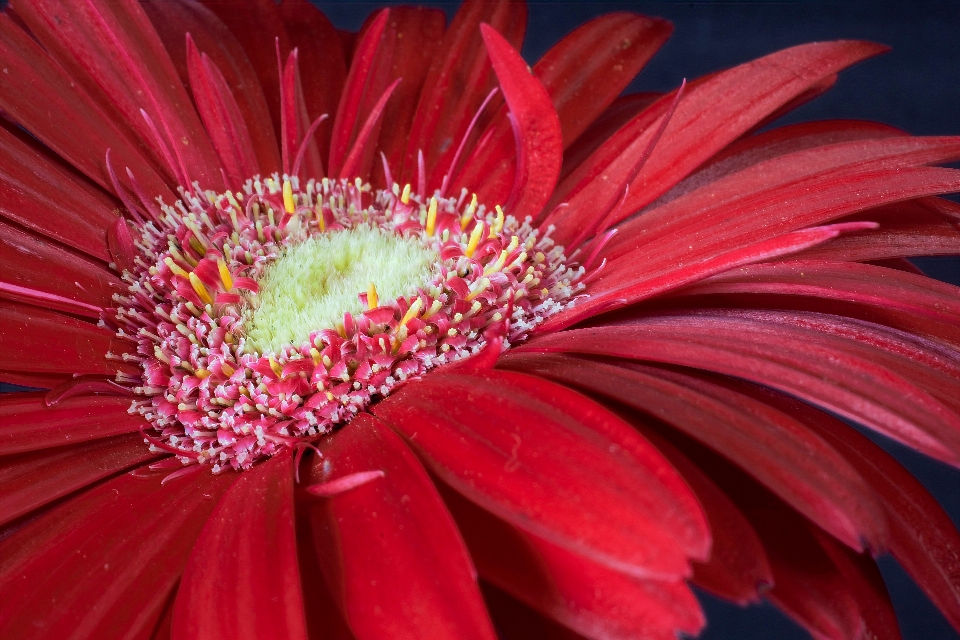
(332, 323)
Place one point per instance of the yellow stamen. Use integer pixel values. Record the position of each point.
(277, 369)
(288, 203)
(412, 311)
(482, 285)
(199, 288)
(373, 301)
(227, 369)
(468, 214)
(497, 225)
(474, 239)
(405, 196)
(315, 355)
(175, 268)
(496, 266)
(432, 216)
(320, 221)
(225, 276)
(202, 373)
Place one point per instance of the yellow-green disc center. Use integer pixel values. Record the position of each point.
(313, 283)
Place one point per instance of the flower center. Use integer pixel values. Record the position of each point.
(313, 283)
(268, 317)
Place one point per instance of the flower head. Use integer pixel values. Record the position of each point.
(328, 324)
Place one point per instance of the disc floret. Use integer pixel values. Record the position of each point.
(226, 381)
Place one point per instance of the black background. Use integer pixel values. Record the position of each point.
(915, 87)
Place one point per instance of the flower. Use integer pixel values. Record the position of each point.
(358, 391)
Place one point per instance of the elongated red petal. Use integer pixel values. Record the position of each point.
(259, 28)
(582, 74)
(390, 551)
(924, 539)
(37, 86)
(244, 564)
(738, 569)
(775, 449)
(32, 480)
(173, 20)
(319, 50)
(907, 301)
(536, 127)
(837, 373)
(735, 100)
(587, 597)
(347, 120)
(926, 226)
(556, 464)
(32, 184)
(458, 81)
(101, 565)
(112, 50)
(29, 425)
(222, 117)
(41, 341)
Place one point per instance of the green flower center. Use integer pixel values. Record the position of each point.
(312, 284)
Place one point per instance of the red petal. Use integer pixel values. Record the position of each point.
(29, 424)
(112, 50)
(777, 450)
(771, 144)
(536, 128)
(924, 539)
(319, 50)
(456, 84)
(585, 71)
(40, 192)
(28, 261)
(222, 118)
(37, 86)
(864, 581)
(242, 580)
(32, 480)
(412, 38)
(910, 302)
(41, 341)
(358, 160)
(173, 20)
(927, 226)
(555, 464)
(587, 597)
(582, 74)
(102, 564)
(348, 111)
(427, 588)
(738, 569)
(258, 28)
(713, 113)
(839, 374)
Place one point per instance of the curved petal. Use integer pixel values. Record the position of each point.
(587, 597)
(102, 564)
(455, 86)
(837, 373)
(41, 341)
(555, 464)
(39, 192)
(242, 579)
(37, 86)
(32, 480)
(112, 50)
(735, 100)
(390, 551)
(173, 20)
(778, 451)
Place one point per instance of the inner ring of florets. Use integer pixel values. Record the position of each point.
(227, 377)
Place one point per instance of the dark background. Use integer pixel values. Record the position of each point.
(915, 87)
